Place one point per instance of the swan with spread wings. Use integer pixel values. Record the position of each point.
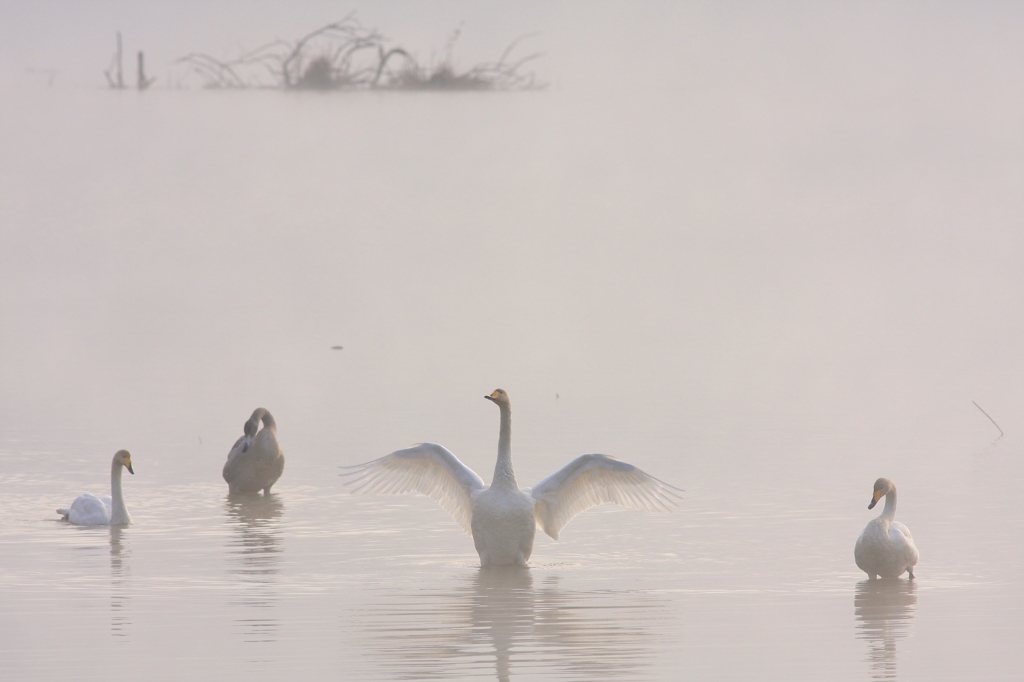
(502, 518)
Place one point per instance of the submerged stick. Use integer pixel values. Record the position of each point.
(1001, 434)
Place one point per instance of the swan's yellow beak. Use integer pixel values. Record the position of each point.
(128, 465)
(874, 499)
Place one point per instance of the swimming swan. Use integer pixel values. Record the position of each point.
(885, 547)
(255, 461)
(109, 510)
(502, 518)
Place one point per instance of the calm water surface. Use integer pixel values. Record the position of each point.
(769, 308)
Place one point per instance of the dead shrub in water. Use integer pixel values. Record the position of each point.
(344, 55)
(500, 75)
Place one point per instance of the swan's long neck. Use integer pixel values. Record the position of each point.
(504, 475)
(268, 420)
(889, 513)
(119, 513)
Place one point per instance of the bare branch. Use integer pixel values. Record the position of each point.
(512, 46)
(1001, 434)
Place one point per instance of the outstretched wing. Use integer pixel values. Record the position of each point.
(425, 468)
(590, 480)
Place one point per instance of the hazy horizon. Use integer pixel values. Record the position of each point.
(767, 253)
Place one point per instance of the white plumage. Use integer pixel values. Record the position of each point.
(90, 510)
(590, 480)
(885, 547)
(502, 518)
(425, 468)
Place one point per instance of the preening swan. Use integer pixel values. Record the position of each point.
(885, 547)
(502, 518)
(255, 461)
(108, 510)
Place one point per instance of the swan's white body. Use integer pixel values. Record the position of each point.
(106, 510)
(503, 525)
(885, 548)
(255, 461)
(502, 518)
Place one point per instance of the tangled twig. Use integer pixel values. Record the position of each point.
(344, 55)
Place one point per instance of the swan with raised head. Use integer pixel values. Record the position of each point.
(106, 510)
(255, 461)
(885, 548)
(502, 518)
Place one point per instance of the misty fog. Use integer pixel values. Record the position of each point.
(766, 252)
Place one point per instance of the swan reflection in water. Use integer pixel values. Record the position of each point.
(120, 572)
(884, 610)
(254, 556)
(500, 619)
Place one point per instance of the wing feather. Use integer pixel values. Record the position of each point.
(590, 480)
(425, 468)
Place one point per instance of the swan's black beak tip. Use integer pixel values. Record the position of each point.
(487, 397)
(130, 470)
(871, 504)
